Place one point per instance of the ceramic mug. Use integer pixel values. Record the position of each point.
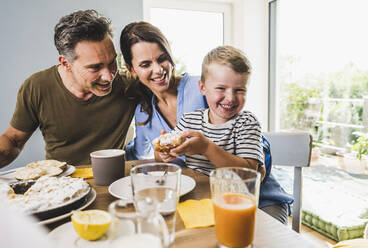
(108, 166)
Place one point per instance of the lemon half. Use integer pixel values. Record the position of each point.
(91, 224)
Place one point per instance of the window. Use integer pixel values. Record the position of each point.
(192, 28)
(319, 70)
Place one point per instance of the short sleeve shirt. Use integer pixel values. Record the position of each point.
(240, 136)
(73, 128)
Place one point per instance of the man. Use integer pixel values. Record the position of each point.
(80, 105)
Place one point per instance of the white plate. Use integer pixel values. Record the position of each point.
(122, 188)
(65, 236)
(90, 198)
(9, 178)
(68, 171)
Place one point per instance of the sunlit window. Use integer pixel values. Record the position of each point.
(192, 28)
(322, 71)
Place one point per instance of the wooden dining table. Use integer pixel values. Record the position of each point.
(269, 233)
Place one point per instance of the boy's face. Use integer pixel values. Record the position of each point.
(225, 92)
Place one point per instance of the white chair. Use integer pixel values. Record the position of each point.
(292, 149)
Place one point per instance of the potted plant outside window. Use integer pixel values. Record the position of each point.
(356, 161)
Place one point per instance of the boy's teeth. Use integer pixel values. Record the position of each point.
(226, 106)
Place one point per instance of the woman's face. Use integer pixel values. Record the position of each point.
(151, 65)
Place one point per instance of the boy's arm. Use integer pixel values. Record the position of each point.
(221, 158)
(198, 144)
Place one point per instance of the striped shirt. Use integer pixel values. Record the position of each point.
(240, 136)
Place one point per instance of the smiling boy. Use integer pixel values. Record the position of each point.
(224, 134)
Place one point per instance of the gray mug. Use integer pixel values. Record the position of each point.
(108, 166)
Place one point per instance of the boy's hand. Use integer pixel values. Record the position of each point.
(165, 156)
(195, 143)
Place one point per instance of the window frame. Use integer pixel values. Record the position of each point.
(224, 7)
(273, 89)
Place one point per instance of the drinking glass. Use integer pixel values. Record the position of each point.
(235, 193)
(161, 181)
(137, 229)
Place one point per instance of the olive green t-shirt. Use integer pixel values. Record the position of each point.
(73, 128)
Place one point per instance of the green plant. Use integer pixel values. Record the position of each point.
(361, 146)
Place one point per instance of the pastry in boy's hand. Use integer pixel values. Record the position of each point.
(166, 142)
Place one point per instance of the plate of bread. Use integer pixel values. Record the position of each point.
(46, 197)
(37, 169)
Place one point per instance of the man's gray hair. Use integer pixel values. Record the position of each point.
(84, 25)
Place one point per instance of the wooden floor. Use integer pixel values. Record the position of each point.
(315, 237)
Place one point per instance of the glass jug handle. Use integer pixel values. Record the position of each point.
(149, 207)
(148, 211)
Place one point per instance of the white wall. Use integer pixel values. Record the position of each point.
(27, 46)
(255, 19)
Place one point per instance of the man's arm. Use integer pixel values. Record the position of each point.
(11, 144)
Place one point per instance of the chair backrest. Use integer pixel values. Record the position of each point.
(292, 149)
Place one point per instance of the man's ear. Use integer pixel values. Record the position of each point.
(202, 87)
(64, 62)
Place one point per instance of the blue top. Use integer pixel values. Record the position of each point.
(189, 99)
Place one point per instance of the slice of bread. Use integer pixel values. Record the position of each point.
(47, 163)
(37, 169)
(26, 173)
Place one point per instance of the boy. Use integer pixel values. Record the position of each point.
(222, 135)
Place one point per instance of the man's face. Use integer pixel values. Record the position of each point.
(95, 67)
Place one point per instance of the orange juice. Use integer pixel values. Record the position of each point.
(235, 216)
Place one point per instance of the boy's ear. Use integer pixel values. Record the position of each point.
(202, 87)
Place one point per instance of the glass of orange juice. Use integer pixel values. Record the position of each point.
(235, 193)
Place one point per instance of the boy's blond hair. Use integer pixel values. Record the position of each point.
(229, 56)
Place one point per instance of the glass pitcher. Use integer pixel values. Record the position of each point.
(133, 229)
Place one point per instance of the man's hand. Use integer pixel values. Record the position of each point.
(11, 144)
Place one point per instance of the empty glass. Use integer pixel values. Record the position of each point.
(160, 181)
(137, 229)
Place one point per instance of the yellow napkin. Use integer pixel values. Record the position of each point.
(196, 213)
(83, 173)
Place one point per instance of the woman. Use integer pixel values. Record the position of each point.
(165, 96)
